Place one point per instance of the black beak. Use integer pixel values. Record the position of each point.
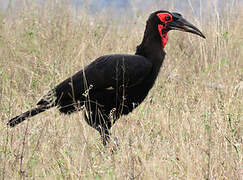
(181, 24)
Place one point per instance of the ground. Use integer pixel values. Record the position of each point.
(187, 128)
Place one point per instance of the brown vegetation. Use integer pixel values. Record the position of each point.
(187, 128)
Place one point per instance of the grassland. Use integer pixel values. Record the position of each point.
(189, 126)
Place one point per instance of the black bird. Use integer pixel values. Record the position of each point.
(114, 85)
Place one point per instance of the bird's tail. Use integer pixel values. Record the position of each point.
(20, 118)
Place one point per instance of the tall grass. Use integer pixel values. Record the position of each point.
(189, 126)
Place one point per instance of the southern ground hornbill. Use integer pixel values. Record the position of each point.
(114, 85)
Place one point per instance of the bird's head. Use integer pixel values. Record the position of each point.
(166, 21)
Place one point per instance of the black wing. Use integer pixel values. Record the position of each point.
(110, 71)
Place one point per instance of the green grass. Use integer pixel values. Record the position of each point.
(189, 126)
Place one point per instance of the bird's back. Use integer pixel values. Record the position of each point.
(103, 81)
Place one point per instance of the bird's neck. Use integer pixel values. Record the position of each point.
(151, 46)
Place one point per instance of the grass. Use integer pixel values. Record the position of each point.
(189, 126)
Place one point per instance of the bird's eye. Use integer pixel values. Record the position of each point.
(167, 18)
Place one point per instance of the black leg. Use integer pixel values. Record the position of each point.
(105, 135)
(101, 123)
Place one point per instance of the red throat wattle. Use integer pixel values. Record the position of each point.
(163, 35)
(164, 18)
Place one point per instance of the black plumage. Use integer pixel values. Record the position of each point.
(114, 85)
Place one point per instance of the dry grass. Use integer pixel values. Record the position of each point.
(187, 128)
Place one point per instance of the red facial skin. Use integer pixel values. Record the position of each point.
(162, 27)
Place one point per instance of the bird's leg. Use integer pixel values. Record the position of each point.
(105, 135)
(103, 128)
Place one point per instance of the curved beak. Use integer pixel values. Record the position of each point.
(183, 25)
